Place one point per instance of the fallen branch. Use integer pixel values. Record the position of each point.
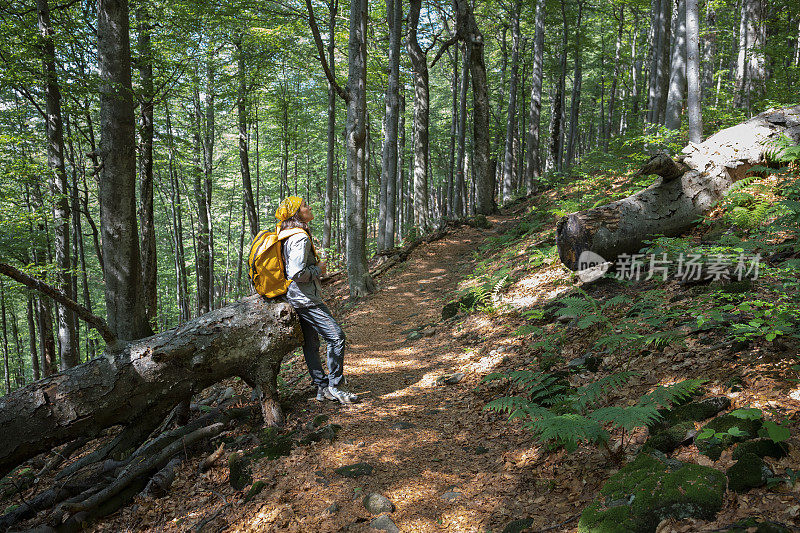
(140, 468)
(83, 313)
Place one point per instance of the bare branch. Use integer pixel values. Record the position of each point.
(84, 314)
(451, 41)
(321, 49)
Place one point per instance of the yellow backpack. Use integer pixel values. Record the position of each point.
(266, 262)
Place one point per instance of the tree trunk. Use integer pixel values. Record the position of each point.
(389, 176)
(453, 139)
(688, 189)
(146, 215)
(117, 191)
(181, 279)
(461, 133)
(469, 33)
(147, 378)
(612, 95)
(419, 62)
(6, 366)
(329, 189)
(58, 186)
(577, 80)
(401, 163)
(755, 62)
(533, 160)
(693, 110)
(244, 150)
(359, 279)
(555, 154)
(32, 338)
(508, 158)
(677, 77)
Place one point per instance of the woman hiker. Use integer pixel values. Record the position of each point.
(304, 270)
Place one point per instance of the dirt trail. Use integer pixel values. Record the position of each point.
(444, 463)
(428, 444)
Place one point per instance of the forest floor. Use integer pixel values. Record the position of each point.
(445, 462)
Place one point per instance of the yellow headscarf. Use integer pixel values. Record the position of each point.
(288, 207)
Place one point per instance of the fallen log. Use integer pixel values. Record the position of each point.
(139, 383)
(688, 189)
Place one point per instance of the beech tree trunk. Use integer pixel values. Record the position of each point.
(333, 7)
(508, 156)
(141, 382)
(360, 281)
(146, 214)
(117, 190)
(690, 187)
(419, 62)
(533, 164)
(58, 185)
(394, 13)
(468, 32)
(677, 76)
(244, 148)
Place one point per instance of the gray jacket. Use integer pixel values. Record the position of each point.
(301, 267)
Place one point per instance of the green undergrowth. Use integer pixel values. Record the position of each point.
(753, 302)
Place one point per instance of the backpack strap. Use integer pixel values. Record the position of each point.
(285, 234)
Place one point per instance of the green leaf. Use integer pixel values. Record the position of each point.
(736, 432)
(747, 413)
(704, 434)
(776, 432)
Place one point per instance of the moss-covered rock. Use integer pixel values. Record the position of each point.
(762, 448)
(255, 488)
(327, 432)
(752, 525)
(650, 489)
(749, 472)
(272, 444)
(355, 470)
(691, 412)
(449, 310)
(480, 221)
(518, 526)
(667, 440)
(728, 430)
(18, 481)
(239, 476)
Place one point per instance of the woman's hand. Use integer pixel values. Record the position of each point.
(323, 268)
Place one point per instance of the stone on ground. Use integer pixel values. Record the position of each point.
(650, 489)
(377, 503)
(749, 472)
(355, 470)
(384, 523)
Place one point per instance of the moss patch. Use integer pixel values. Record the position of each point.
(650, 489)
(239, 472)
(724, 428)
(748, 472)
(762, 448)
(667, 440)
(692, 412)
(272, 444)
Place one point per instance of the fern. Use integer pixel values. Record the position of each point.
(568, 430)
(574, 422)
(589, 394)
(627, 418)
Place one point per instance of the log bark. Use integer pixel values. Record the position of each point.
(689, 188)
(145, 379)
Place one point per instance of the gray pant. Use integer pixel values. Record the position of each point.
(316, 321)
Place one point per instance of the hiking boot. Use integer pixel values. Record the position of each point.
(324, 393)
(342, 396)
